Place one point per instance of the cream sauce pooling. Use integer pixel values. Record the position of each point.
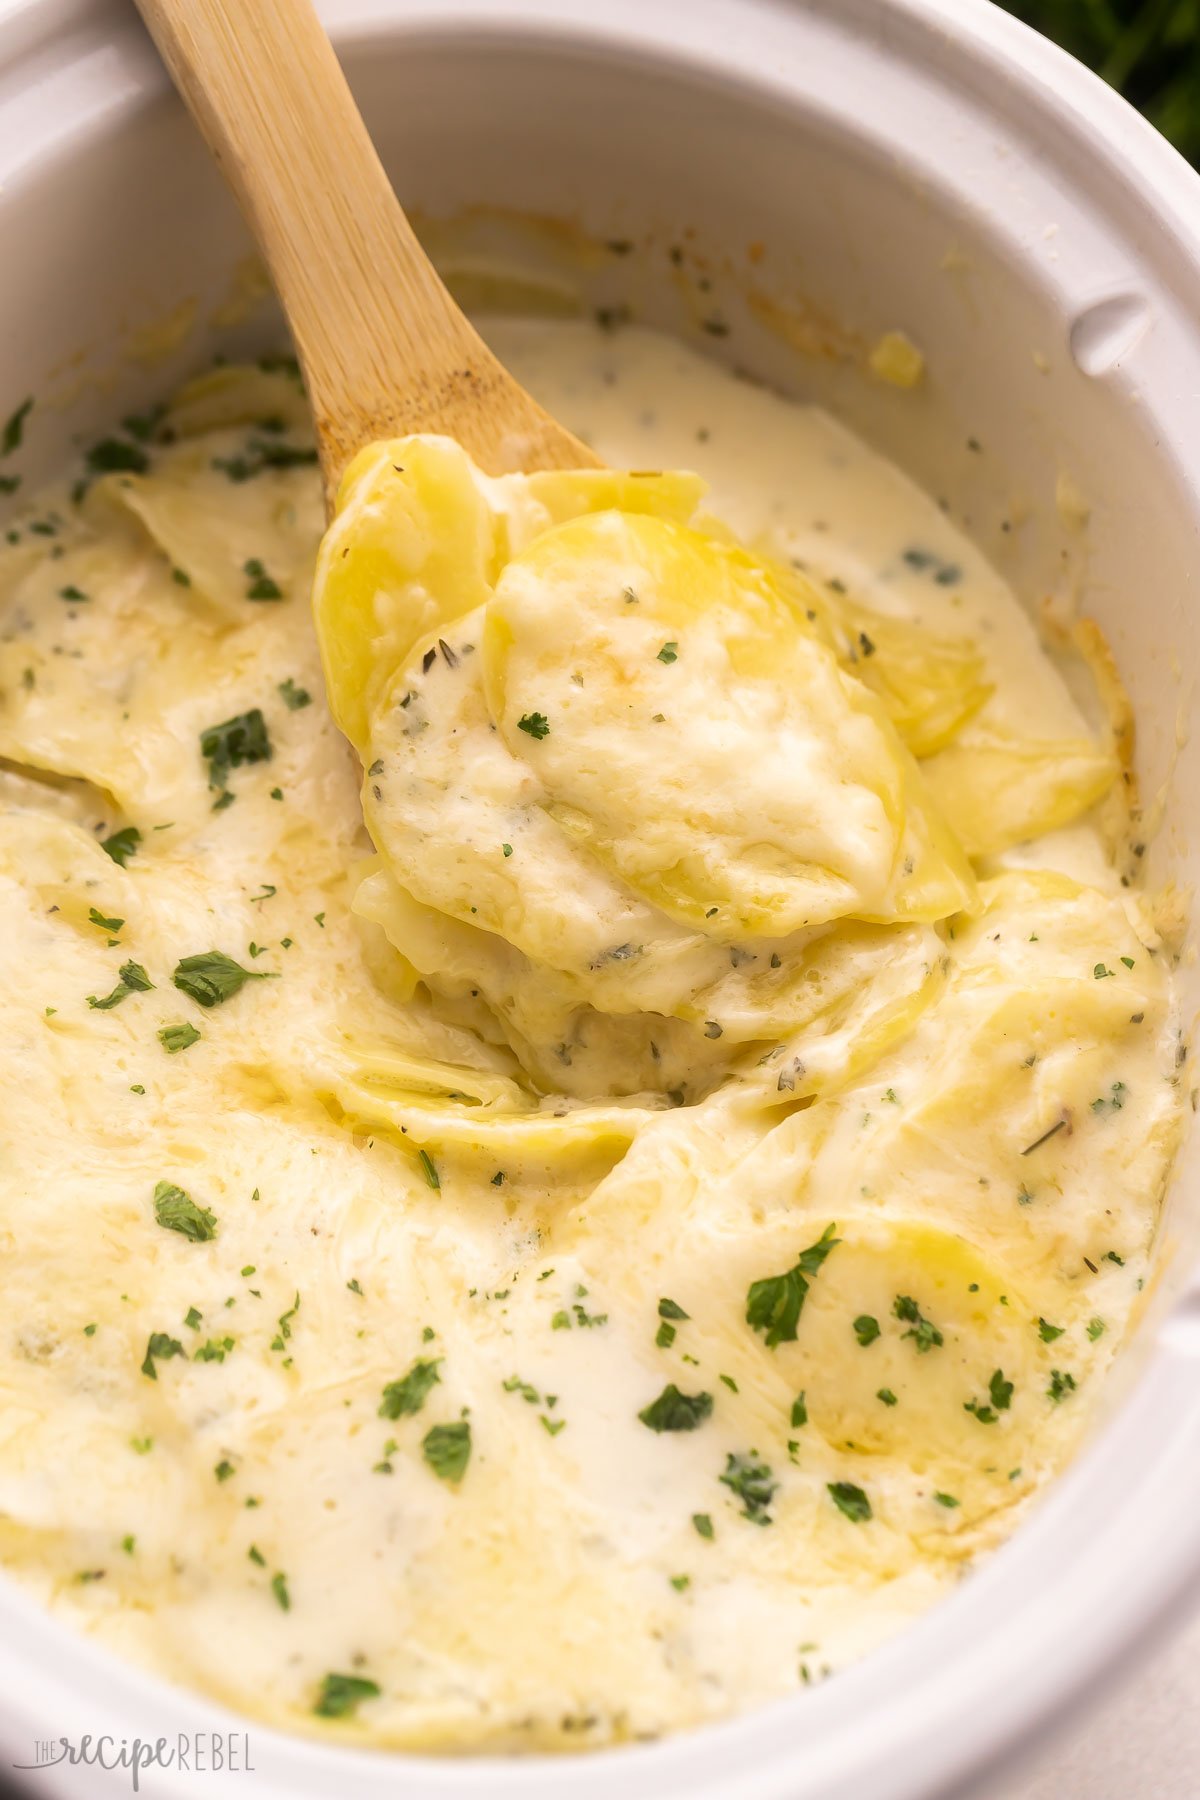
(254, 1523)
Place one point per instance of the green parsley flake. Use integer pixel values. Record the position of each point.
(112, 456)
(774, 1305)
(926, 1334)
(177, 1211)
(704, 1525)
(850, 1500)
(175, 1038)
(122, 844)
(447, 1449)
(293, 697)
(866, 1329)
(429, 1168)
(535, 724)
(341, 1695)
(669, 653)
(14, 428)
(262, 587)
(751, 1481)
(673, 1411)
(1000, 1392)
(1048, 1333)
(799, 1414)
(133, 980)
(232, 744)
(211, 977)
(159, 1348)
(408, 1395)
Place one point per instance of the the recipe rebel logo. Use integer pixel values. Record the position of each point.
(188, 1752)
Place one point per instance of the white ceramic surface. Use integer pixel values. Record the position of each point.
(926, 164)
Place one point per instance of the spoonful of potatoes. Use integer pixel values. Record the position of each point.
(384, 349)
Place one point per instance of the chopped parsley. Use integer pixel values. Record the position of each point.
(159, 1348)
(177, 1211)
(947, 1500)
(113, 456)
(671, 1309)
(232, 744)
(1095, 1329)
(279, 1588)
(340, 1695)
(262, 587)
(261, 455)
(1048, 1333)
(133, 979)
(408, 1395)
(750, 1481)
(536, 724)
(211, 977)
(175, 1038)
(850, 1500)
(886, 1395)
(866, 1329)
(673, 1411)
(293, 697)
(799, 1413)
(447, 1449)
(1111, 1102)
(926, 1335)
(704, 1525)
(122, 844)
(285, 1323)
(105, 924)
(1000, 1392)
(14, 428)
(669, 653)
(774, 1304)
(1061, 1384)
(429, 1169)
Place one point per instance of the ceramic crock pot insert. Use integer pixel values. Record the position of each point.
(926, 165)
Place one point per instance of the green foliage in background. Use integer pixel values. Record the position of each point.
(1148, 49)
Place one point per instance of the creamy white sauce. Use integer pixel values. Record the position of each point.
(560, 1593)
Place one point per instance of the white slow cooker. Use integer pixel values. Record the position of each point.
(853, 167)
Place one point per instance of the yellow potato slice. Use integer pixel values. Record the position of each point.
(996, 790)
(699, 743)
(930, 686)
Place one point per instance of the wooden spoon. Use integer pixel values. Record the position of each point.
(383, 347)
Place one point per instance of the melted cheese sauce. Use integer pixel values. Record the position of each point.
(432, 1330)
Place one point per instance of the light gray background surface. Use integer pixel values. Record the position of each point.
(1142, 1742)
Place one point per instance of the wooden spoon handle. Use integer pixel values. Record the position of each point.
(384, 348)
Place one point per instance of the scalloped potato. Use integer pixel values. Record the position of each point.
(591, 1204)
